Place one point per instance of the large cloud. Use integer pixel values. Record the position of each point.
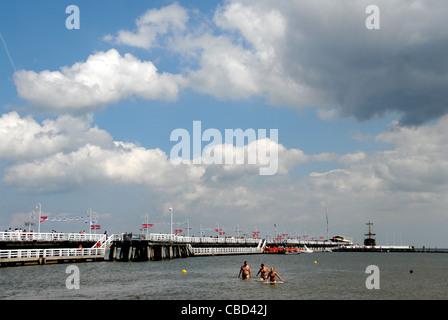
(152, 25)
(122, 164)
(294, 53)
(105, 78)
(326, 46)
(24, 139)
(67, 153)
(302, 53)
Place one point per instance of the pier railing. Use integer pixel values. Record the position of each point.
(55, 237)
(154, 237)
(225, 250)
(34, 236)
(46, 253)
(106, 241)
(197, 240)
(379, 248)
(301, 242)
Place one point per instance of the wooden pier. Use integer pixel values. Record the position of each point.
(32, 248)
(41, 248)
(375, 249)
(46, 256)
(167, 246)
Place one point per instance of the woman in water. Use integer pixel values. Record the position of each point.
(264, 272)
(272, 275)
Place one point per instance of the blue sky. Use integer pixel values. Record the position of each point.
(87, 114)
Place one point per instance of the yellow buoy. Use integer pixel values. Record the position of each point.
(315, 262)
(184, 271)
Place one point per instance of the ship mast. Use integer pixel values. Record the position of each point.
(369, 241)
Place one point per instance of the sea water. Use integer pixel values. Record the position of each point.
(323, 276)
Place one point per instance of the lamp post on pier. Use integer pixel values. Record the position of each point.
(39, 206)
(89, 214)
(92, 224)
(171, 213)
(188, 227)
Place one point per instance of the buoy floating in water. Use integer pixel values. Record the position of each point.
(184, 271)
(315, 262)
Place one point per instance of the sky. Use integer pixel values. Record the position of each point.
(90, 99)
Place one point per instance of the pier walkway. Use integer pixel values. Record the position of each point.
(15, 236)
(43, 256)
(354, 248)
(20, 248)
(41, 248)
(141, 247)
(30, 248)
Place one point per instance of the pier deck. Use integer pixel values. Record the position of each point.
(26, 248)
(41, 248)
(375, 249)
(44, 256)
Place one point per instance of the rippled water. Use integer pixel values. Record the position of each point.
(333, 276)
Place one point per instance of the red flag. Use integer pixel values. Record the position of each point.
(42, 219)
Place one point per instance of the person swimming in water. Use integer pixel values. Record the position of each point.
(264, 272)
(272, 275)
(245, 270)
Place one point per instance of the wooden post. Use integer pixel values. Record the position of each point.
(148, 252)
(130, 253)
(113, 253)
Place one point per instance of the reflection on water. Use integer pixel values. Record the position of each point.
(308, 276)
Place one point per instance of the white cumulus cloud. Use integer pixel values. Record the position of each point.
(105, 78)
